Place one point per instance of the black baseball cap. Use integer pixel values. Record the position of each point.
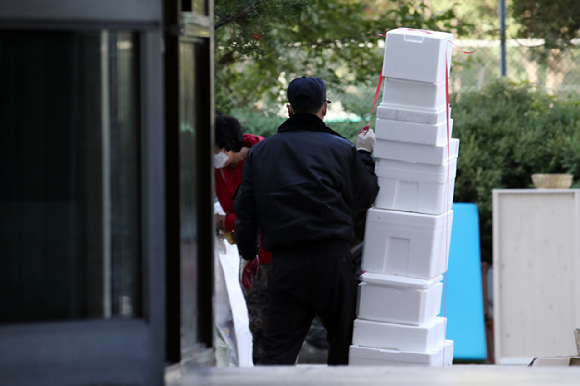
(307, 92)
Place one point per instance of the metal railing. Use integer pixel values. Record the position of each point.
(558, 74)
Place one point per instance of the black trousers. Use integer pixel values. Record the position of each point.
(311, 278)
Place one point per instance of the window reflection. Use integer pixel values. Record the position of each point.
(69, 176)
(187, 189)
(196, 6)
(199, 7)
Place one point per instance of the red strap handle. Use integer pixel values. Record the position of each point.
(375, 101)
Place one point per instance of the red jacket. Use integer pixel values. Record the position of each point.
(227, 181)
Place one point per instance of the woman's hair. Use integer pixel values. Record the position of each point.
(228, 133)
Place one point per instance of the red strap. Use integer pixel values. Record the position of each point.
(419, 30)
(375, 101)
(465, 52)
(377, 93)
(410, 29)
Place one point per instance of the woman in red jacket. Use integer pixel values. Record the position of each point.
(230, 151)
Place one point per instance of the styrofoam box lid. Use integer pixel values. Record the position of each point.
(417, 220)
(398, 113)
(402, 131)
(448, 170)
(400, 356)
(383, 163)
(385, 280)
(413, 152)
(411, 46)
(427, 325)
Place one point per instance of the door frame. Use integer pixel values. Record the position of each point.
(185, 27)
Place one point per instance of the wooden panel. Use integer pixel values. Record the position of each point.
(536, 273)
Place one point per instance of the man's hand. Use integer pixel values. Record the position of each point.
(365, 140)
(249, 269)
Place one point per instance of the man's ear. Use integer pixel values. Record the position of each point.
(324, 109)
(290, 110)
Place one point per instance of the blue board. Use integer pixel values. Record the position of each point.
(464, 309)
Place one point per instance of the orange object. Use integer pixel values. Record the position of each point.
(229, 236)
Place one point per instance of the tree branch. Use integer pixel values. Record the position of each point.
(237, 17)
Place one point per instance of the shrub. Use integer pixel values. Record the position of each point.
(266, 124)
(508, 132)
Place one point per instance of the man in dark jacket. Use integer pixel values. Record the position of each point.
(297, 188)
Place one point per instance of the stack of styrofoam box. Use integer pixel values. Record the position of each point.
(409, 229)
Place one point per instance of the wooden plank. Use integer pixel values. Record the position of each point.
(536, 272)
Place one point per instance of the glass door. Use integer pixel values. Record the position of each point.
(69, 162)
(82, 247)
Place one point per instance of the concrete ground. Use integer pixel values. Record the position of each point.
(320, 375)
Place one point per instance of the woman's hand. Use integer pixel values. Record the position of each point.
(219, 224)
(237, 157)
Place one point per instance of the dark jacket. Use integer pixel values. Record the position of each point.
(298, 185)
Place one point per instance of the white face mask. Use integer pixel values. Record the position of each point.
(220, 159)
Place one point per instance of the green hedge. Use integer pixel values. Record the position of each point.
(508, 132)
(266, 124)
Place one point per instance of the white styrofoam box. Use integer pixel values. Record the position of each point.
(414, 152)
(423, 338)
(415, 187)
(415, 95)
(398, 299)
(421, 133)
(417, 55)
(414, 245)
(408, 114)
(370, 356)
